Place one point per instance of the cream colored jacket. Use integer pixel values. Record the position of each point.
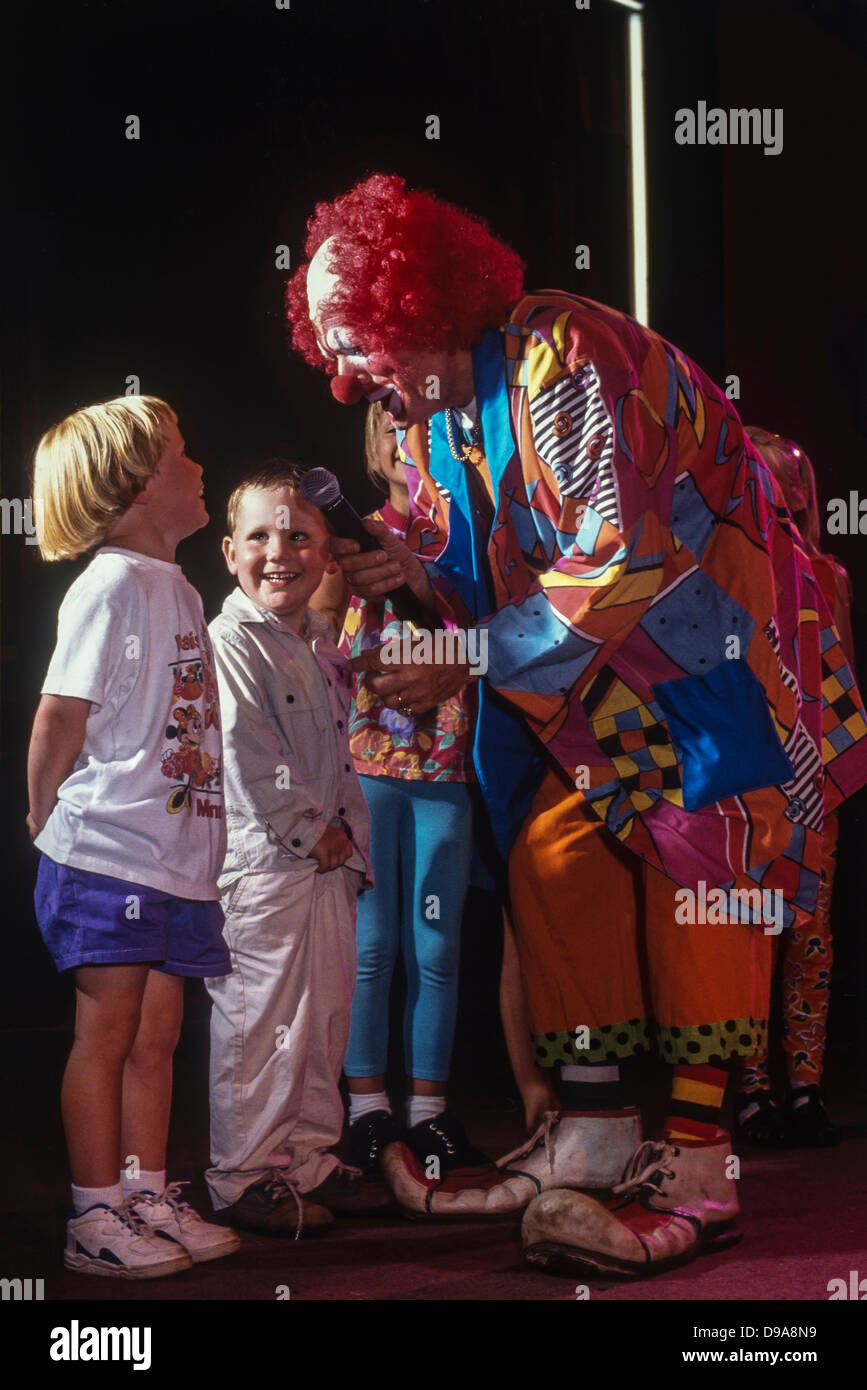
(288, 773)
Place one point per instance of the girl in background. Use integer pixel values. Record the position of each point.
(414, 773)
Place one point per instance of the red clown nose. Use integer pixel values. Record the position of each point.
(346, 389)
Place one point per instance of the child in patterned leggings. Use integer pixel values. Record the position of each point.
(806, 948)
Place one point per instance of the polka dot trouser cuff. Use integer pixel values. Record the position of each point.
(713, 1043)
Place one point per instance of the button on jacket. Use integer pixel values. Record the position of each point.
(285, 713)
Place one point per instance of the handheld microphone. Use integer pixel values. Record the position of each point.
(321, 489)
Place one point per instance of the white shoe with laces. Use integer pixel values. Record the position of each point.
(112, 1241)
(677, 1200)
(569, 1149)
(165, 1215)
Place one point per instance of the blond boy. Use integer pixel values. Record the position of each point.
(125, 790)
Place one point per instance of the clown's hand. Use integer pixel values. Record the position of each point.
(415, 689)
(373, 574)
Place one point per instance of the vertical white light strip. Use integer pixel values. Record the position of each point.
(638, 170)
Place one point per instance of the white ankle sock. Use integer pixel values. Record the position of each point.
(147, 1181)
(592, 1075)
(84, 1197)
(420, 1108)
(365, 1105)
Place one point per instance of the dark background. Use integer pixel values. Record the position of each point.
(157, 258)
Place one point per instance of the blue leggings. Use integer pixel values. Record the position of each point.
(421, 842)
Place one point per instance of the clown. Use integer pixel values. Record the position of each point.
(666, 703)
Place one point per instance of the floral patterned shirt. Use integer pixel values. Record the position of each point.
(433, 747)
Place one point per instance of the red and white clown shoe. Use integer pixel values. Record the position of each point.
(572, 1149)
(676, 1201)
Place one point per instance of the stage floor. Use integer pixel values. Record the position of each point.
(802, 1215)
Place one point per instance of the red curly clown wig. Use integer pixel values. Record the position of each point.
(416, 274)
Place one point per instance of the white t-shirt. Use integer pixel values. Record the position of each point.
(144, 801)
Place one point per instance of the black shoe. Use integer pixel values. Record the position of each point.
(768, 1127)
(809, 1123)
(445, 1138)
(368, 1136)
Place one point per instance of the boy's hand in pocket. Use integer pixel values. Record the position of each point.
(332, 850)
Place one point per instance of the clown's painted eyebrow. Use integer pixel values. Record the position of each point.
(341, 344)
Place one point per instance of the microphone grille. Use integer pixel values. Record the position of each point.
(319, 487)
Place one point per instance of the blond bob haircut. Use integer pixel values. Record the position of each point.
(372, 425)
(794, 472)
(89, 469)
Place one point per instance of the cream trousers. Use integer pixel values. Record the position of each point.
(279, 1028)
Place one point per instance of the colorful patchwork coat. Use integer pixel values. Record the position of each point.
(652, 614)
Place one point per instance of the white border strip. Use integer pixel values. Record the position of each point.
(638, 167)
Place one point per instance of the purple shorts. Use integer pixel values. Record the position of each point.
(90, 919)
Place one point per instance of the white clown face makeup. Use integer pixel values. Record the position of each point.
(411, 386)
(342, 346)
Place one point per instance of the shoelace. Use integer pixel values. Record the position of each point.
(652, 1159)
(348, 1168)
(127, 1216)
(544, 1131)
(279, 1182)
(169, 1197)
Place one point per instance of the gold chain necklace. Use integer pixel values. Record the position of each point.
(468, 451)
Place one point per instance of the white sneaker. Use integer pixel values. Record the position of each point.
(112, 1241)
(165, 1215)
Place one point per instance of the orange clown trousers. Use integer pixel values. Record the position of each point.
(604, 958)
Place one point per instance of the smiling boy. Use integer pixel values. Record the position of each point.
(297, 859)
